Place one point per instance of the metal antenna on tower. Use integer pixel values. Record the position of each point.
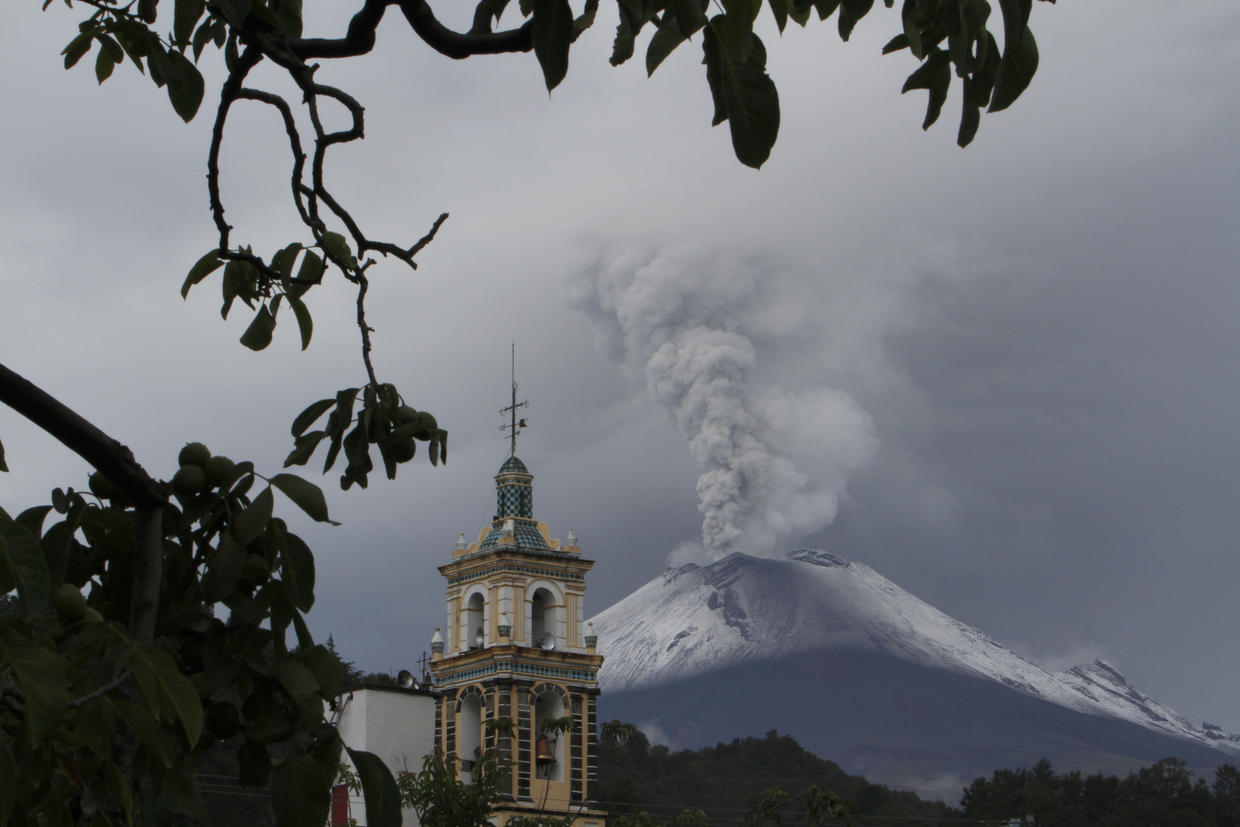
(514, 426)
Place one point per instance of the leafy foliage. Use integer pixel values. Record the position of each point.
(105, 726)
(1165, 793)
(441, 798)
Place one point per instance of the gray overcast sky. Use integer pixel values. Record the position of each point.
(1010, 369)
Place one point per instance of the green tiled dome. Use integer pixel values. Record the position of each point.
(513, 465)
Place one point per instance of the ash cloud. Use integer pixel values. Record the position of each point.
(698, 330)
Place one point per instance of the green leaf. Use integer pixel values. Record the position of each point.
(250, 524)
(305, 324)
(148, 731)
(970, 115)
(202, 268)
(850, 12)
(296, 679)
(552, 33)
(185, 85)
(379, 788)
(41, 676)
(737, 28)
(167, 690)
(288, 17)
(780, 9)
(1016, 69)
(307, 417)
(357, 447)
(77, 47)
(297, 570)
(185, 18)
(300, 791)
(935, 75)
(747, 94)
(110, 54)
(202, 37)
(239, 281)
(310, 272)
(670, 34)
(234, 11)
(345, 399)
(626, 30)
(282, 262)
(308, 496)
(327, 668)
(258, 335)
(26, 568)
(224, 569)
(303, 448)
(335, 245)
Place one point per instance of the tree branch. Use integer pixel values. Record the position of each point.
(228, 93)
(459, 46)
(101, 691)
(111, 458)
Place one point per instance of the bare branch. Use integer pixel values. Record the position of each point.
(101, 691)
(294, 139)
(228, 93)
(429, 237)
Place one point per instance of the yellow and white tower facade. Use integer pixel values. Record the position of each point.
(515, 667)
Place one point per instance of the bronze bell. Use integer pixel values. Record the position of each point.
(544, 751)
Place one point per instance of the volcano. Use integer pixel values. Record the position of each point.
(864, 673)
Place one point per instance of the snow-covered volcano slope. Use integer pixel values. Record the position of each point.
(697, 619)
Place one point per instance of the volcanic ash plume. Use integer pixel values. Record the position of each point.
(774, 462)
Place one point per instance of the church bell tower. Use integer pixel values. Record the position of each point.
(516, 667)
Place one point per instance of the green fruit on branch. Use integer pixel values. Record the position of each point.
(102, 487)
(194, 453)
(219, 471)
(69, 602)
(189, 480)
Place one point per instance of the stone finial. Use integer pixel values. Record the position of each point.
(436, 645)
(591, 638)
(505, 628)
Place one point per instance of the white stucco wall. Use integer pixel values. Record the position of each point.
(397, 725)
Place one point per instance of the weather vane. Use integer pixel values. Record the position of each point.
(514, 425)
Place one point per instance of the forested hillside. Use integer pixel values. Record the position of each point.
(720, 780)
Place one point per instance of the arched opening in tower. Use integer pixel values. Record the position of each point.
(473, 629)
(550, 746)
(469, 735)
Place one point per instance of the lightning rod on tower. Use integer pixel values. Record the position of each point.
(514, 426)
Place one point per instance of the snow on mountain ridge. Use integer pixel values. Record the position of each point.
(695, 619)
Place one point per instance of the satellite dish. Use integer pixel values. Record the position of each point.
(546, 642)
(405, 679)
